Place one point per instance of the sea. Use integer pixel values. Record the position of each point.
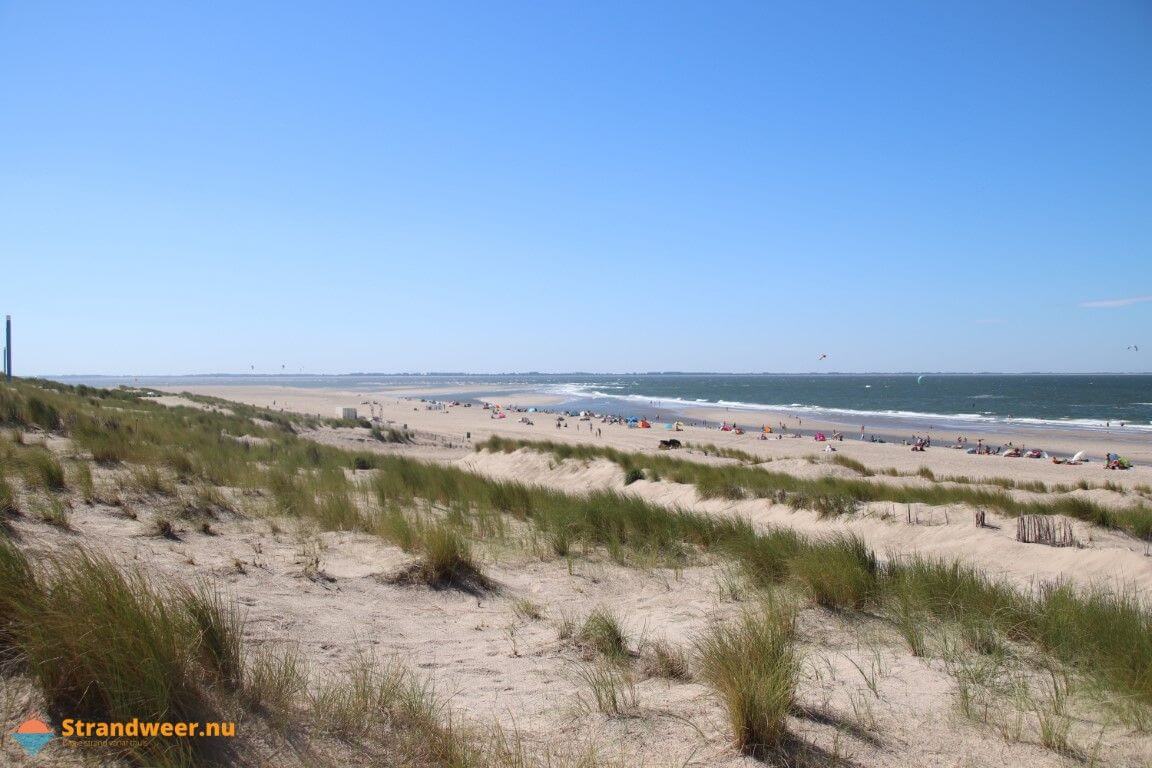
(962, 401)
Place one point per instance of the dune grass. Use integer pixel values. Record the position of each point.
(602, 633)
(1101, 633)
(362, 691)
(275, 683)
(612, 688)
(840, 574)
(8, 502)
(107, 644)
(710, 449)
(33, 463)
(391, 435)
(829, 496)
(752, 667)
(447, 558)
(1105, 633)
(659, 658)
(19, 595)
(44, 470)
(856, 466)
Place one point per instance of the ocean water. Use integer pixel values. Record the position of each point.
(971, 401)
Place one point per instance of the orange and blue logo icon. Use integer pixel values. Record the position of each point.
(32, 735)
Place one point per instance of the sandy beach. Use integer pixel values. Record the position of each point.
(297, 527)
(456, 423)
(576, 385)
(449, 432)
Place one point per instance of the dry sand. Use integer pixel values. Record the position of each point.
(865, 701)
(455, 423)
(1104, 557)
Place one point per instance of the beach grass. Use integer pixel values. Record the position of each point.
(108, 642)
(8, 503)
(839, 572)
(275, 683)
(830, 496)
(752, 667)
(432, 509)
(612, 688)
(659, 658)
(447, 558)
(603, 633)
(105, 643)
(856, 466)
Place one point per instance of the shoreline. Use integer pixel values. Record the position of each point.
(467, 425)
(896, 416)
(888, 428)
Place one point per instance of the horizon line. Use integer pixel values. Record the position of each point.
(426, 374)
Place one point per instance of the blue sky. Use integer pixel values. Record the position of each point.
(334, 187)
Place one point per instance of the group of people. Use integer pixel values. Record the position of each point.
(917, 443)
(1116, 461)
(920, 443)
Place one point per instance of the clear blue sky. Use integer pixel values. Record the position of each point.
(190, 187)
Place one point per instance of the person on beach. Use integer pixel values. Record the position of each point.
(861, 431)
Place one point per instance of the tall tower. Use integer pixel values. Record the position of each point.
(8, 347)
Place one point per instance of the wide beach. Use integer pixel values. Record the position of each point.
(406, 405)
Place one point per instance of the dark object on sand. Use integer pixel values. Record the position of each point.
(666, 445)
(1044, 529)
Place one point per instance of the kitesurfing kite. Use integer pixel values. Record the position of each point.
(1134, 348)
(823, 356)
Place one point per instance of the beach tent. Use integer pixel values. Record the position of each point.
(1080, 456)
(632, 422)
(679, 426)
(645, 425)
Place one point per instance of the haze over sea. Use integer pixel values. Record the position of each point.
(971, 401)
